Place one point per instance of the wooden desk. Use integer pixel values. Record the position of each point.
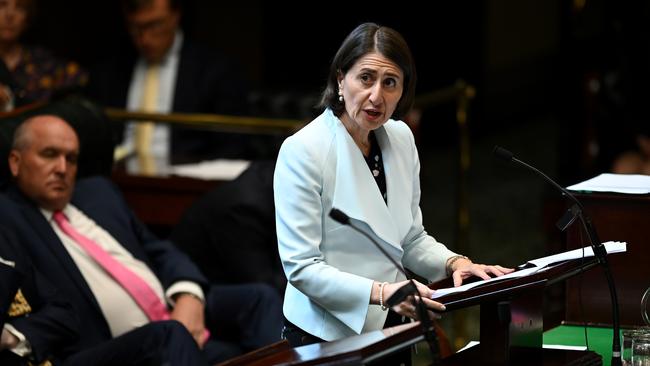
(615, 217)
(367, 348)
(161, 201)
(511, 330)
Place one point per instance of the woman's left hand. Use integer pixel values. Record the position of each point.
(466, 269)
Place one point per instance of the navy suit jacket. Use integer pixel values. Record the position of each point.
(100, 200)
(51, 326)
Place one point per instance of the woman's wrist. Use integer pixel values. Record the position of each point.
(378, 295)
(453, 263)
(382, 299)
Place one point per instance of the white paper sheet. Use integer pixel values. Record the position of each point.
(450, 290)
(617, 183)
(538, 265)
(220, 169)
(610, 246)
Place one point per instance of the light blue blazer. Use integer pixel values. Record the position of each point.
(330, 268)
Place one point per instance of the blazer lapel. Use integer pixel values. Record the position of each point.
(51, 242)
(399, 194)
(356, 191)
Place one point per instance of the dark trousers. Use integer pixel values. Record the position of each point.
(159, 343)
(241, 318)
(298, 337)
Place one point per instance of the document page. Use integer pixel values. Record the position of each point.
(617, 183)
(536, 265)
(450, 290)
(220, 169)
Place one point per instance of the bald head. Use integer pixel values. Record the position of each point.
(43, 160)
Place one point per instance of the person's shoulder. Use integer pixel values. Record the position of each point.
(315, 133)
(116, 58)
(196, 50)
(93, 183)
(13, 198)
(399, 131)
(213, 67)
(312, 142)
(9, 247)
(397, 127)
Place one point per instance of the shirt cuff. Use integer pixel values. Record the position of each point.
(23, 348)
(184, 287)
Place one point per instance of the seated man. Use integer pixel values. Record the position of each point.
(41, 328)
(116, 274)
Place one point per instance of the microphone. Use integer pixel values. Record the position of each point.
(401, 293)
(577, 211)
(342, 218)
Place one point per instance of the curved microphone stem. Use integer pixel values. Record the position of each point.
(427, 326)
(594, 241)
(601, 254)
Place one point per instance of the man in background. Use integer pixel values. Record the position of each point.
(169, 72)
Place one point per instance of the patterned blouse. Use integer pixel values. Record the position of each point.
(40, 75)
(376, 165)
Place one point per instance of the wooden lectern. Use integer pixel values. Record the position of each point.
(511, 329)
(356, 350)
(512, 319)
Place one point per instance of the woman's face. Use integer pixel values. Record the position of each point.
(371, 90)
(13, 19)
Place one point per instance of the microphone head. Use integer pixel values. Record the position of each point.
(339, 216)
(502, 153)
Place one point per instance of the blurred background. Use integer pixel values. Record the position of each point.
(560, 83)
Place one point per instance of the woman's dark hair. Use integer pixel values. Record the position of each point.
(364, 39)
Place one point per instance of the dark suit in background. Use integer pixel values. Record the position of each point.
(241, 318)
(230, 232)
(206, 82)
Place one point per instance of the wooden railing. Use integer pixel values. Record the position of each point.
(212, 121)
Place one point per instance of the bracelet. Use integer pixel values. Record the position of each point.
(381, 295)
(452, 260)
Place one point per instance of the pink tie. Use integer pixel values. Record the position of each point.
(139, 290)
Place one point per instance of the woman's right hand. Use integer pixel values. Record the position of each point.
(408, 307)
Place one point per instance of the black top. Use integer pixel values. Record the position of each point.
(376, 165)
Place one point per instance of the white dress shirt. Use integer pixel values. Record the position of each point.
(161, 139)
(120, 310)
